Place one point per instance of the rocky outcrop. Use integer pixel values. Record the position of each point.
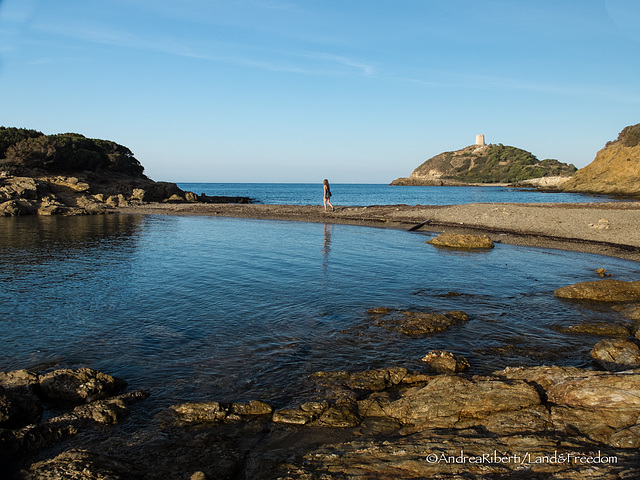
(69, 174)
(89, 194)
(614, 171)
(607, 290)
(481, 164)
(463, 241)
(92, 397)
(540, 422)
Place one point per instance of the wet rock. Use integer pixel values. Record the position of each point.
(213, 412)
(464, 241)
(616, 355)
(82, 465)
(418, 323)
(603, 329)
(83, 385)
(629, 311)
(110, 411)
(446, 362)
(607, 290)
(34, 437)
(18, 396)
(371, 380)
(602, 272)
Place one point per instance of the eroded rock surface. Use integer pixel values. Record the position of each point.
(607, 290)
(463, 241)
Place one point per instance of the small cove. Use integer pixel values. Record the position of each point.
(204, 308)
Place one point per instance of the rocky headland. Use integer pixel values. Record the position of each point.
(69, 174)
(488, 164)
(614, 171)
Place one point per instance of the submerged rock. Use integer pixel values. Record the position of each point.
(600, 328)
(607, 290)
(464, 241)
(629, 311)
(411, 322)
(213, 412)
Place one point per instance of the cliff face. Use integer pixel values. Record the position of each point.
(615, 170)
(485, 164)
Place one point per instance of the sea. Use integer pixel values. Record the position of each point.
(355, 194)
(223, 309)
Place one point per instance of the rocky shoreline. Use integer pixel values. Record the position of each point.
(549, 422)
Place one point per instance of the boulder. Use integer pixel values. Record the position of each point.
(83, 385)
(446, 362)
(464, 241)
(616, 355)
(607, 290)
(451, 401)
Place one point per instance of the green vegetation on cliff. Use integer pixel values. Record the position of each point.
(501, 164)
(24, 151)
(484, 164)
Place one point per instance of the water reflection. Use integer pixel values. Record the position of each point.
(187, 306)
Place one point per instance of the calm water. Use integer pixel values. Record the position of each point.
(378, 194)
(196, 308)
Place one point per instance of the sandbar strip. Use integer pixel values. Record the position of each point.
(609, 228)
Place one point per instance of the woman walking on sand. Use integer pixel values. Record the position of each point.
(327, 195)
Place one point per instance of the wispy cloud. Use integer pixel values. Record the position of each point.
(310, 63)
(482, 82)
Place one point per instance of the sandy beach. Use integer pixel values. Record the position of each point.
(603, 228)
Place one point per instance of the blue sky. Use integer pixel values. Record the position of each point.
(296, 91)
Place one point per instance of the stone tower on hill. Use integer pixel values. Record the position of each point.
(479, 139)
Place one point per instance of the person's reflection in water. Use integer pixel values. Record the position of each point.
(326, 245)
